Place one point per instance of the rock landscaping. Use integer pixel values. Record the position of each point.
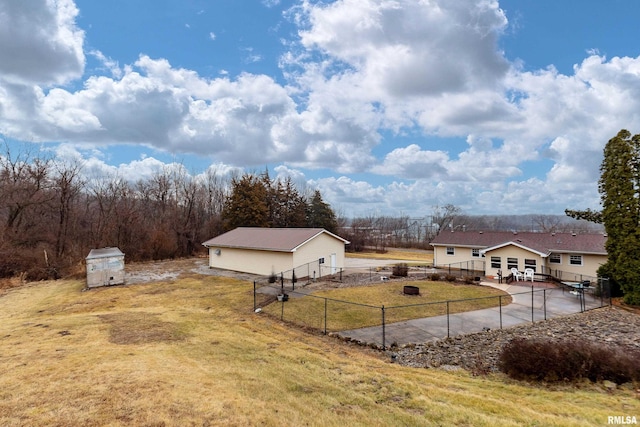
(480, 352)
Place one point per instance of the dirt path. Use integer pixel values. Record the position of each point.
(145, 272)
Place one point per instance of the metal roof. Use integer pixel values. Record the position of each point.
(104, 253)
(539, 242)
(268, 239)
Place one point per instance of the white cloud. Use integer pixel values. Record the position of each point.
(110, 64)
(39, 42)
(360, 69)
(412, 162)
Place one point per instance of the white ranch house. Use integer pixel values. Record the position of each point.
(312, 252)
(563, 255)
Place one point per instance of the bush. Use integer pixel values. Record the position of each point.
(547, 360)
(469, 280)
(434, 276)
(401, 270)
(37, 274)
(450, 278)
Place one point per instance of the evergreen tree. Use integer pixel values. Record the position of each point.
(619, 188)
(271, 198)
(246, 206)
(286, 207)
(320, 214)
(294, 205)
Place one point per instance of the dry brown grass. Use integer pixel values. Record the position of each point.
(191, 352)
(412, 256)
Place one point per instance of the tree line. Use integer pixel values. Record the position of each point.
(52, 213)
(381, 232)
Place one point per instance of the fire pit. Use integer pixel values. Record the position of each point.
(411, 290)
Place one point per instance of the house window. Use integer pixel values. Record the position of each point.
(512, 263)
(451, 250)
(496, 262)
(530, 263)
(475, 253)
(321, 261)
(575, 260)
(555, 259)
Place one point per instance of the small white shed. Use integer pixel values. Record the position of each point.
(105, 267)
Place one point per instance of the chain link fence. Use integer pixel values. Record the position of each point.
(291, 298)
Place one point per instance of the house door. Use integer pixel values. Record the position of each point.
(333, 263)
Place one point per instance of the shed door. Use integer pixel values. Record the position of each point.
(333, 263)
(105, 272)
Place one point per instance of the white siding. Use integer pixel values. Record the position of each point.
(305, 258)
(511, 251)
(322, 246)
(251, 261)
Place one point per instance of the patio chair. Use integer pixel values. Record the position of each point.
(516, 274)
(528, 274)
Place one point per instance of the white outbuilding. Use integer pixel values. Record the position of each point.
(310, 252)
(105, 267)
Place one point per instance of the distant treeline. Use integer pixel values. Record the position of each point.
(52, 212)
(381, 232)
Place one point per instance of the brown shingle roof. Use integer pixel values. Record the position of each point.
(541, 242)
(267, 239)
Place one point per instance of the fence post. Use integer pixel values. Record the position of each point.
(282, 310)
(254, 296)
(544, 302)
(383, 330)
(447, 319)
(500, 305)
(325, 316)
(532, 320)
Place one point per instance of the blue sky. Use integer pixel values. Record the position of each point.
(388, 107)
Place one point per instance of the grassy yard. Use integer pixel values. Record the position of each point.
(366, 311)
(192, 352)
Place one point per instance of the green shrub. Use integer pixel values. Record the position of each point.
(547, 360)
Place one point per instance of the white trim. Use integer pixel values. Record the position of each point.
(502, 245)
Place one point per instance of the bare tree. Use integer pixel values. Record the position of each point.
(67, 184)
(23, 191)
(443, 217)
